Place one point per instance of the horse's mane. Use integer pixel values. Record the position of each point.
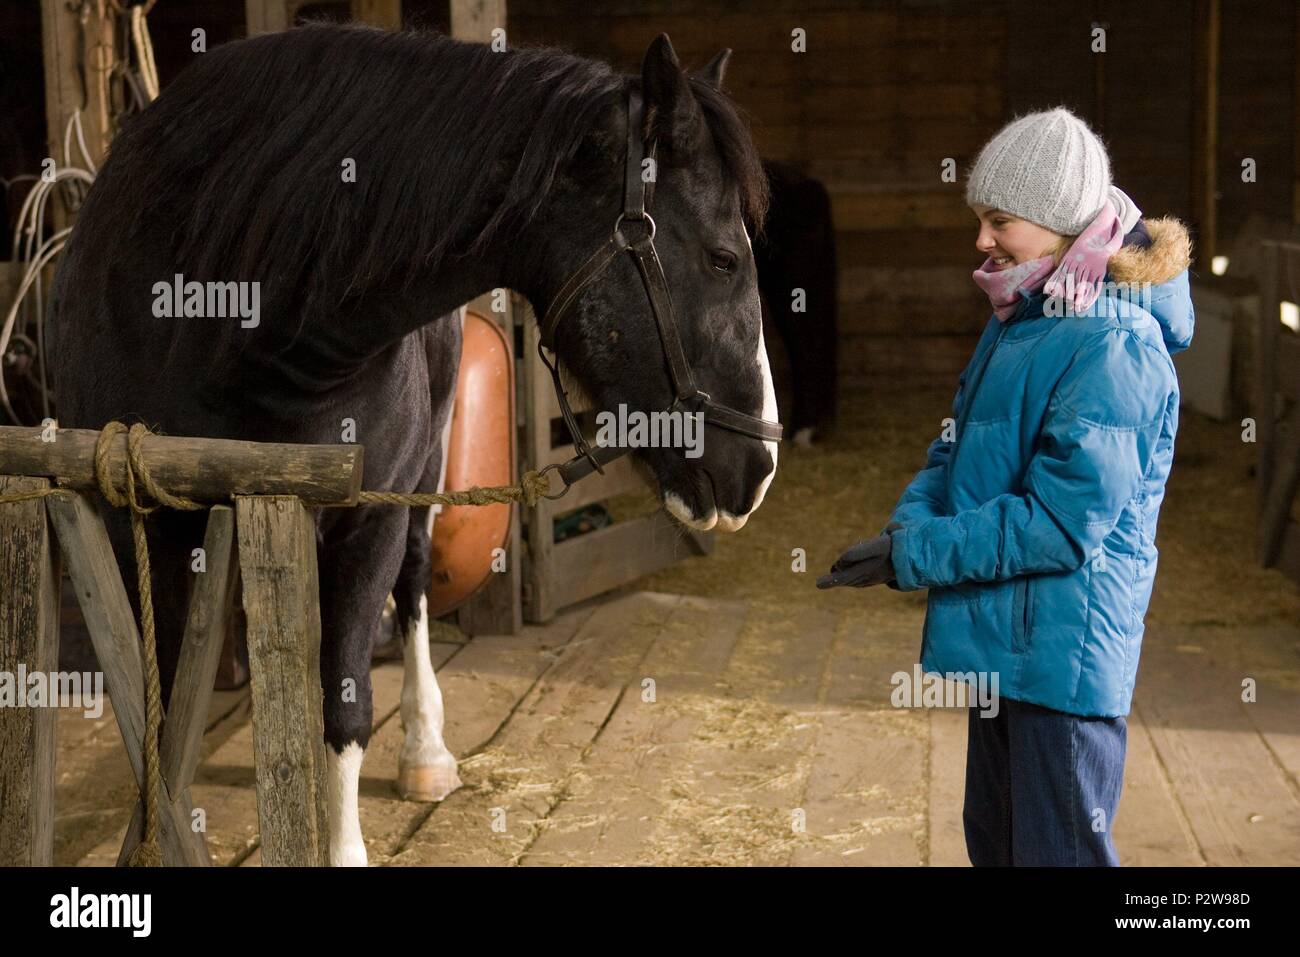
(243, 154)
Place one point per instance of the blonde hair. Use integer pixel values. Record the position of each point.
(1061, 248)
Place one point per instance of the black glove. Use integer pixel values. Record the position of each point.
(866, 563)
(893, 581)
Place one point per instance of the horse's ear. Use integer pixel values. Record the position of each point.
(672, 113)
(713, 72)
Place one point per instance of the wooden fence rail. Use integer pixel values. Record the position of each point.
(267, 538)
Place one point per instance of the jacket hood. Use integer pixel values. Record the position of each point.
(1164, 265)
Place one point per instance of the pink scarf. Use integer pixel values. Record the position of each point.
(1077, 280)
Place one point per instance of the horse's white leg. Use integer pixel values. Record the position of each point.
(426, 768)
(347, 847)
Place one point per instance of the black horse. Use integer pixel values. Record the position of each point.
(370, 183)
(797, 252)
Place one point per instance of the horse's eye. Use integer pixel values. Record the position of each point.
(722, 260)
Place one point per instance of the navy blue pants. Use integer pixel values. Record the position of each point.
(1042, 787)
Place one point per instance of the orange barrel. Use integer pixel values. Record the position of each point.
(480, 451)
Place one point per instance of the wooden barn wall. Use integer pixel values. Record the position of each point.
(1140, 96)
(881, 98)
(1257, 111)
(885, 93)
(889, 89)
(1137, 96)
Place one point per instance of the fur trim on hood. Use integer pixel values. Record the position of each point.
(1161, 268)
(1169, 254)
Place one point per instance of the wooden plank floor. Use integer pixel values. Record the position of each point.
(650, 728)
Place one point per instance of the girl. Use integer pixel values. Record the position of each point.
(1034, 528)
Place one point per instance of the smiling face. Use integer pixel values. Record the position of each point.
(1009, 240)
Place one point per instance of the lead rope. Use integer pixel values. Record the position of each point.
(531, 487)
(148, 853)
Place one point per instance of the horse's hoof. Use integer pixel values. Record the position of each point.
(349, 855)
(427, 782)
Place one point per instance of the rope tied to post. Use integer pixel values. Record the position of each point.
(147, 853)
(532, 486)
(136, 474)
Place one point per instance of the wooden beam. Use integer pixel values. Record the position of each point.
(277, 559)
(1205, 129)
(476, 19)
(268, 16)
(207, 470)
(62, 42)
(29, 639)
(1267, 334)
(205, 633)
(1295, 124)
(378, 13)
(536, 396)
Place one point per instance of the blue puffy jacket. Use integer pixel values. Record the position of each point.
(1035, 529)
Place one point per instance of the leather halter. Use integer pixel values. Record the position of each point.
(688, 399)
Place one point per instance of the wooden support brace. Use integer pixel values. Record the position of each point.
(277, 559)
(211, 607)
(93, 569)
(29, 637)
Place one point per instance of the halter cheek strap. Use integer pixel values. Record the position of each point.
(687, 398)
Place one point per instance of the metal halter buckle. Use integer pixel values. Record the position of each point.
(621, 240)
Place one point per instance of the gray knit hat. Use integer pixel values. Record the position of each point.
(1047, 167)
